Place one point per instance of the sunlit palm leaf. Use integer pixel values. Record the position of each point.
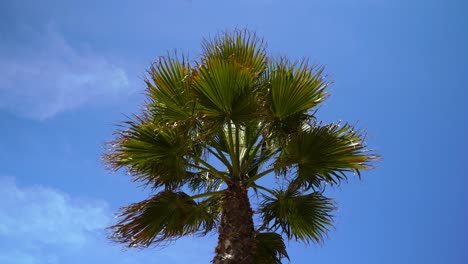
(323, 154)
(164, 217)
(224, 90)
(242, 47)
(295, 88)
(270, 248)
(168, 87)
(303, 217)
(153, 154)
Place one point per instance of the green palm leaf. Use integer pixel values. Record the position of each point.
(164, 217)
(154, 154)
(294, 90)
(204, 182)
(303, 217)
(242, 47)
(227, 80)
(270, 248)
(168, 87)
(224, 90)
(323, 154)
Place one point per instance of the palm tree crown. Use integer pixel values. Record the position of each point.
(211, 129)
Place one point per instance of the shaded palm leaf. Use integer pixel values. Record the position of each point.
(264, 154)
(323, 154)
(303, 217)
(204, 182)
(164, 217)
(220, 140)
(270, 248)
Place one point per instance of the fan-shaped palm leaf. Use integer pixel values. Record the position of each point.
(303, 217)
(154, 154)
(270, 248)
(295, 88)
(223, 89)
(166, 216)
(169, 89)
(242, 47)
(322, 154)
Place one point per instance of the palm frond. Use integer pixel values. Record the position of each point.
(168, 88)
(302, 217)
(323, 154)
(204, 182)
(241, 46)
(154, 154)
(262, 157)
(164, 217)
(223, 90)
(294, 89)
(270, 248)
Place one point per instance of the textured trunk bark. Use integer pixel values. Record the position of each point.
(236, 241)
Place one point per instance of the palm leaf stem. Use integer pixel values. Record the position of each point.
(211, 169)
(221, 157)
(261, 228)
(235, 163)
(251, 154)
(201, 195)
(254, 185)
(258, 176)
(265, 158)
(254, 140)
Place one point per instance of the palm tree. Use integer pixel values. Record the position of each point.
(211, 130)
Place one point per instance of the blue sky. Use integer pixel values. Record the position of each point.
(69, 72)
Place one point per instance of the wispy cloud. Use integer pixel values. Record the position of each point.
(40, 225)
(47, 216)
(42, 74)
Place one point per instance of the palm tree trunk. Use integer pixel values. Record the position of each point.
(236, 241)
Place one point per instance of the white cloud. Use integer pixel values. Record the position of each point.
(42, 225)
(41, 75)
(16, 257)
(47, 216)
